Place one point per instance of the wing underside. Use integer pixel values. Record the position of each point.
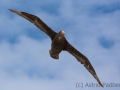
(82, 59)
(37, 22)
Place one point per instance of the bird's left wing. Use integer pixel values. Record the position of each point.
(37, 22)
(81, 58)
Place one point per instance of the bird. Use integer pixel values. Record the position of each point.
(59, 42)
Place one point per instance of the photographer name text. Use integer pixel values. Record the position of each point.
(89, 85)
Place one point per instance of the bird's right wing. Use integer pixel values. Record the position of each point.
(37, 22)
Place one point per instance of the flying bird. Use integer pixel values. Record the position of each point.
(59, 42)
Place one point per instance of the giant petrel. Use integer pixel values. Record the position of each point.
(59, 42)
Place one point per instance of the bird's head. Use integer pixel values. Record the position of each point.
(62, 33)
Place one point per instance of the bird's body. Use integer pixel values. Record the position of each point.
(59, 42)
(57, 45)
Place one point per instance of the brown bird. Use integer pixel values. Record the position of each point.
(59, 42)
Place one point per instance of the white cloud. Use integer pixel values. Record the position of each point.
(27, 63)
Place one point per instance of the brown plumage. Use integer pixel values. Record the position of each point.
(59, 42)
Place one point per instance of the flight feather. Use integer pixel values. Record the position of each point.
(82, 59)
(37, 22)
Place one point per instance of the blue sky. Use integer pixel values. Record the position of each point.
(91, 26)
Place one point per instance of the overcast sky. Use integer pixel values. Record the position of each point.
(91, 26)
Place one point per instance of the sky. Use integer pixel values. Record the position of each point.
(91, 26)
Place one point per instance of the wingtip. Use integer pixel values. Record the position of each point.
(101, 84)
(96, 77)
(14, 11)
(11, 10)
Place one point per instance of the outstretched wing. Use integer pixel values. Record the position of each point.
(38, 22)
(81, 58)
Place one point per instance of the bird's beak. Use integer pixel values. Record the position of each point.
(63, 32)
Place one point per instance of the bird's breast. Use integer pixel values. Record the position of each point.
(58, 43)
